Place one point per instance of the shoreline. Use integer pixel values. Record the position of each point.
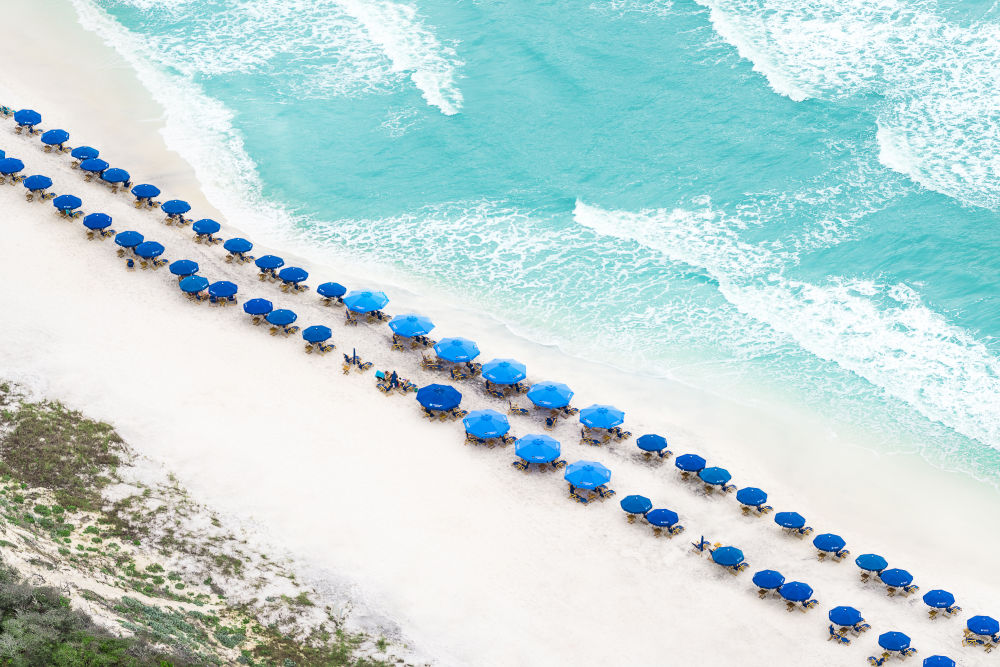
(708, 425)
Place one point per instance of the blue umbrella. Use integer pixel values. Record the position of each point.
(317, 334)
(537, 448)
(871, 562)
(504, 371)
(55, 137)
(205, 226)
(651, 443)
(751, 495)
(689, 462)
(175, 207)
(439, 397)
(983, 625)
(257, 307)
(193, 284)
(365, 301)
(84, 153)
(789, 519)
(27, 117)
(222, 289)
(553, 395)
(662, 518)
(184, 267)
(829, 542)
(10, 165)
(636, 504)
(893, 641)
(768, 579)
(845, 616)
(727, 556)
(293, 274)
(67, 202)
(281, 317)
(938, 661)
(457, 349)
(939, 599)
(411, 325)
(486, 424)
(714, 476)
(97, 221)
(149, 249)
(331, 290)
(238, 245)
(37, 182)
(128, 239)
(95, 165)
(895, 577)
(115, 176)
(795, 591)
(269, 262)
(601, 416)
(146, 191)
(587, 474)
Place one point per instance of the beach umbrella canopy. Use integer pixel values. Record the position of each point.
(97, 221)
(331, 290)
(486, 424)
(553, 395)
(37, 182)
(175, 207)
(128, 239)
(95, 165)
(829, 542)
(10, 165)
(115, 176)
(457, 349)
(727, 556)
(258, 307)
(636, 504)
(751, 495)
(795, 591)
(601, 416)
(363, 301)
(871, 562)
(714, 476)
(293, 274)
(222, 289)
(845, 616)
(662, 518)
(895, 577)
(67, 202)
(55, 137)
(193, 284)
(690, 462)
(84, 153)
(149, 249)
(789, 519)
(205, 226)
(411, 325)
(983, 625)
(237, 244)
(537, 448)
(184, 267)
(893, 641)
(768, 579)
(281, 317)
(504, 371)
(938, 661)
(146, 191)
(439, 397)
(317, 334)
(939, 599)
(28, 117)
(269, 262)
(587, 474)
(651, 442)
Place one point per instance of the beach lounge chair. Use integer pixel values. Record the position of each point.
(515, 409)
(702, 545)
(840, 639)
(558, 464)
(910, 590)
(862, 627)
(459, 373)
(802, 532)
(952, 610)
(604, 492)
(496, 393)
(878, 662)
(520, 464)
(350, 318)
(809, 604)
(507, 440)
(430, 364)
(908, 652)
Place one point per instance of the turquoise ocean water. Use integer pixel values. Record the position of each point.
(799, 195)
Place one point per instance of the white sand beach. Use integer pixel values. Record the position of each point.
(478, 563)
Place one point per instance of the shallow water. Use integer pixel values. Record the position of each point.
(800, 196)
